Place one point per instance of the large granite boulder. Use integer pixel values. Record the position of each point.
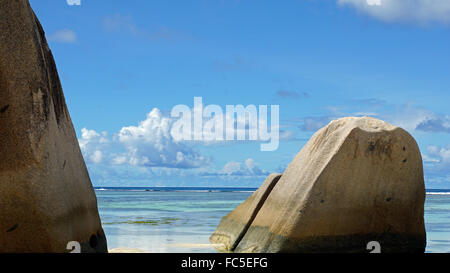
(46, 196)
(357, 180)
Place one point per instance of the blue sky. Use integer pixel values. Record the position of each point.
(125, 64)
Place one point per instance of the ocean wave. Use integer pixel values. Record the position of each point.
(121, 190)
(438, 193)
(191, 190)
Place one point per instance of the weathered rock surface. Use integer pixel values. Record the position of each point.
(357, 180)
(233, 226)
(46, 196)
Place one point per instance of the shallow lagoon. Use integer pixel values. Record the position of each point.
(181, 220)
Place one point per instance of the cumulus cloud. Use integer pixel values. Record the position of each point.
(156, 141)
(421, 11)
(97, 157)
(233, 168)
(91, 144)
(151, 144)
(67, 36)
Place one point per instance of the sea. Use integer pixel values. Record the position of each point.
(180, 220)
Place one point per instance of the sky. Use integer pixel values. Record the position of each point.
(124, 65)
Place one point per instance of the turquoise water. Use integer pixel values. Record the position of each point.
(437, 221)
(182, 219)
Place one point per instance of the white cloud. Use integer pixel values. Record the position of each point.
(96, 157)
(88, 136)
(92, 144)
(73, 2)
(253, 168)
(428, 159)
(151, 144)
(437, 160)
(231, 168)
(408, 116)
(119, 160)
(150, 149)
(443, 153)
(421, 11)
(374, 2)
(67, 36)
(248, 168)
